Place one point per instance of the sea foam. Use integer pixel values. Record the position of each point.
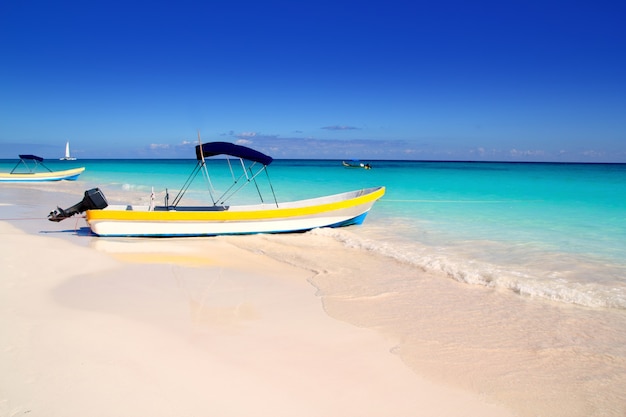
(532, 282)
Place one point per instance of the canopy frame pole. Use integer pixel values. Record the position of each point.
(230, 192)
(243, 167)
(232, 172)
(256, 184)
(223, 198)
(186, 185)
(267, 173)
(21, 161)
(207, 177)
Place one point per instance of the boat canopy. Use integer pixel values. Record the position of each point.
(31, 157)
(30, 162)
(230, 149)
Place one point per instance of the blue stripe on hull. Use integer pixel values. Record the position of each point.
(353, 221)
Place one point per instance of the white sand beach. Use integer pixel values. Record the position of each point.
(184, 327)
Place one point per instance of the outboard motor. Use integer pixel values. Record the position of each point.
(94, 199)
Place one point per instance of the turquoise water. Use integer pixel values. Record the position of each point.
(555, 231)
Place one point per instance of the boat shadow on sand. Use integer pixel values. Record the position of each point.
(79, 231)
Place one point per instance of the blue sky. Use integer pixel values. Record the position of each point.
(424, 80)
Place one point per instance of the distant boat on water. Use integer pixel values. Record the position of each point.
(67, 156)
(355, 163)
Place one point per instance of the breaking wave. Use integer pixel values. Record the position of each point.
(556, 277)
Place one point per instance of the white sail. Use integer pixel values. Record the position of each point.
(67, 156)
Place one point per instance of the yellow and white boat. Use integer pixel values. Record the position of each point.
(28, 173)
(337, 210)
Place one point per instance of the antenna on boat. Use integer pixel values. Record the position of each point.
(200, 166)
(200, 144)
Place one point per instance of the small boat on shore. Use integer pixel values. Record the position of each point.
(67, 156)
(221, 218)
(26, 171)
(355, 163)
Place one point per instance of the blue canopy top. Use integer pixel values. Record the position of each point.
(33, 157)
(230, 149)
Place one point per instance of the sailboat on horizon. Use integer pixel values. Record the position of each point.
(67, 156)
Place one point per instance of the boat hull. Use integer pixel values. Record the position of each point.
(331, 211)
(68, 175)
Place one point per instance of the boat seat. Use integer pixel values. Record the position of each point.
(191, 208)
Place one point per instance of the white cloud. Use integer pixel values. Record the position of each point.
(519, 153)
(374, 149)
(592, 154)
(159, 146)
(340, 127)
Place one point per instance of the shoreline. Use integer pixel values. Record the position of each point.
(185, 327)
